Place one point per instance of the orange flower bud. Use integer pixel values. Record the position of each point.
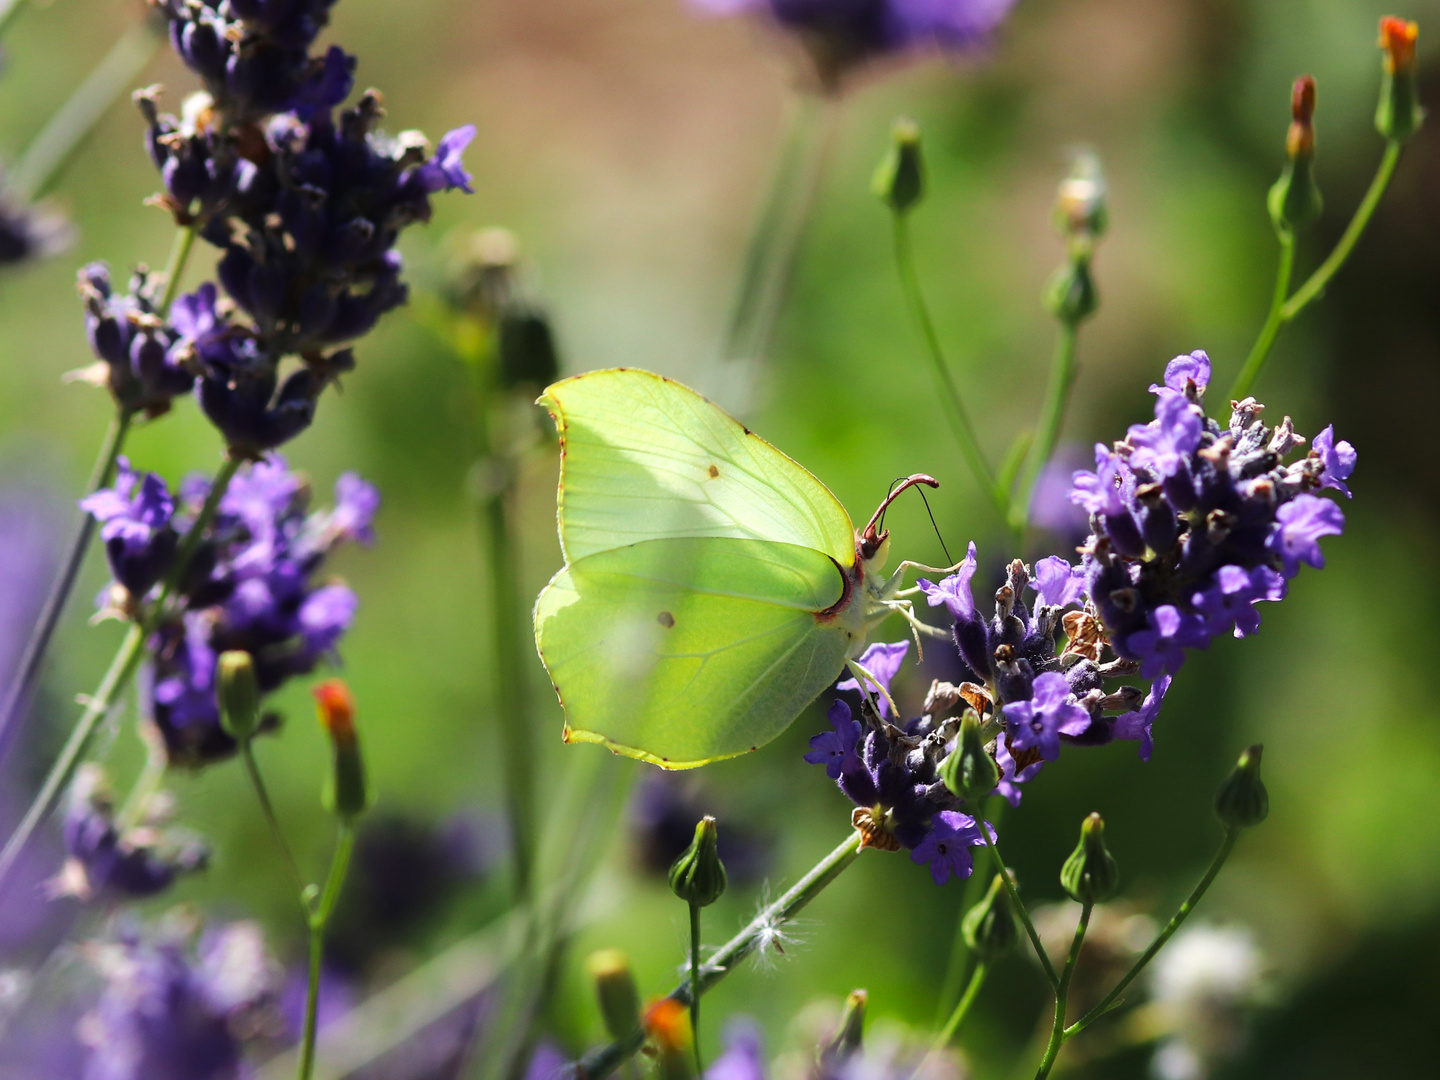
(1300, 140)
(667, 1022)
(1397, 38)
(336, 707)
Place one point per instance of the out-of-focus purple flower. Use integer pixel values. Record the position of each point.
(1136, 726)
(142, 862)
(547, 1062)
(141, 363)
(1051, 508)
(882, 661)
(947, 846)
(1337, 457)
(168, 1014)
(1040, 722)
(837, 750)
(1301, 523)
(663, 814)
(954, 591)
(134, 518)
(338, 995)
(446, 170)
(743, 1058)
(842, 34)
(28, 232)
(355, 505)
(1057, 582)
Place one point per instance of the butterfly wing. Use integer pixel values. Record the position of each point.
(645, 458)
(685, 651)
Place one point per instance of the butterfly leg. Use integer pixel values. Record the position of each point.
(866, 680)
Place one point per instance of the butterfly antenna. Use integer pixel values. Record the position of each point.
(948, 560)
(872, 527)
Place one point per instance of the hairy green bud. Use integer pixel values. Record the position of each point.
(990, 928)
(1242, 801)
(1090, 874)
(970, 772)
(899, 179)
(698, 876)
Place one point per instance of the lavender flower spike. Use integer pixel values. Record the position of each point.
(135, 527)
(1040, 722)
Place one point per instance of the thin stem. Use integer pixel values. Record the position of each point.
(1274, 320)
(267, 811)
(1020, 907)
(1052, 421)
(43, 159)
(33, 659)
(761, 929)
(695, 981)
(334, 881)
(1316, 282)
(962, 1009)
(949, 392)
(974, 889)
(112, 684)
(175, 264)
(157, 761)
(1062, 994)
(775, 238)
(1110, 999)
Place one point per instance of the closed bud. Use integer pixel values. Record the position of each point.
(239, 695)
(1294, 200)
(989, 928)
(615, 987)
(1242, 801)
(969, 772)
(667, 1023)
(900, 178)
(1080, 204)
(1071, 295)
(1090, 874)
(1399, 114)
(698, 876)
(347, 794)
(847, 1041)
(527, 348)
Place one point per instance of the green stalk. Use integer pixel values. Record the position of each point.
(175, 265)
(1274, 320)
(112, 684)
(1110, 999)
(695, 981)
(1020, 907)
(319, 919)
(1052, 420)
(47, 154)
(267, 811)
(1316, 282)
(962, 1009)
(950, 394)
(974, 890)
(602, 1062)
(33, 659)
(1062, 994)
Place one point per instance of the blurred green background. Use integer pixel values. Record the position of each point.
(628, 144)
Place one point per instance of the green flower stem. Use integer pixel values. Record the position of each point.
(1284, 312)
(175, 264)
(1062, 993)
(950, 394)
(1274, 320)
(602, 1062)
(974, 890)
(1020, 908)
(962, 1009)
(272, 822)
(1052, 420)
(779, 228)
(319, 918)
(1112, 998)
(113, 683)
(48, 152)
(33, 659)
(152, 775)
(695, 981)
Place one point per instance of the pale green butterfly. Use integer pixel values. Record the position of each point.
(712, 587)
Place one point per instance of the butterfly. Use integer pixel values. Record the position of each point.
(712, 586)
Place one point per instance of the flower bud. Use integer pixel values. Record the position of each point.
(1294, 200)
(1090, 874)
(526, 348)
(615, 987)
(1399, 113)
(989, 928)
(847, 1040)
(698, 876)
(1080, 204)
(347, 794)
(667, 1023)
(1242, 801)
(239, 694)
(1071, 295)
(899, 180)
(969, 772)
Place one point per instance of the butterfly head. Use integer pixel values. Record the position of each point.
(872, 543)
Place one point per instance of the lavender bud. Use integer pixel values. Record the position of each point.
(1090, 874)
(989, 928)
(970, 772)
(698, 875)
(1242, 801)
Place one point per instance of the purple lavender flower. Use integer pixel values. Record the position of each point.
(1051, 508)
(1057, 583)
(837, 750)
(547, 1062)
(882, 661)
(446, 170)
(28, 232)
(947, 846)
(1136, 725)
(1040, 722)
(1010, 777)
(166, 1014)
(1338, 459)
(1232, 599)
(1187, 375)
(135, 527)
(743, 1058)
(1161, 645)
(139, 362)
(842, 34)
(954, 591)
(1301, 524)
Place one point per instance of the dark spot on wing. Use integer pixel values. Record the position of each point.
(714, 472)
(665, 619)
